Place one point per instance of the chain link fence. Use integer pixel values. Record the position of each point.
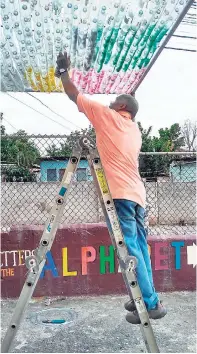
(32, 168)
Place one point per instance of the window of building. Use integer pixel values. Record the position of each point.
(81, 174)
(61, 173)
(51, 175)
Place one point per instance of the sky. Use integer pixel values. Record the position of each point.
(167, 95)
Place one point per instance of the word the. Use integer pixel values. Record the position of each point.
(7, 272)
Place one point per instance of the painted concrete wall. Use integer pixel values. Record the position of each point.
(28, 203)
(82, 261)
(58, 165)
(176, 202)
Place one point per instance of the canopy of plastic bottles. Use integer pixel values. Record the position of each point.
(110, 43)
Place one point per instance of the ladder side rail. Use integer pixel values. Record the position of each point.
(106, 218)
(36, 263)
(126, 262)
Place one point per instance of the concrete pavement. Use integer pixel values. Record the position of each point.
(97, 324)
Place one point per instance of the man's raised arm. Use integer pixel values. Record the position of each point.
(63, 64)
(97, 113)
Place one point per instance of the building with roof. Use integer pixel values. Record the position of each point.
(52, 169)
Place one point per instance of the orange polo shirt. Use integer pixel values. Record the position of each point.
(119, 142)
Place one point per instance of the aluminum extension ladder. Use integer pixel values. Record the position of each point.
(127, 263)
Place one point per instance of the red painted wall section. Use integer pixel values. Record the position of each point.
(82, 261)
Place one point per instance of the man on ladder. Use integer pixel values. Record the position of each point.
(119, 143)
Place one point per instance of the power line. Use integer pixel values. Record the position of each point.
(188, 37)
(44, 115)
(180, 43)
(9, 123)
(183, 45)
(184, 50)
(182, 30)
(59, 115)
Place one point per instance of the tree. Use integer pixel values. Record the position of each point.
(65, 149)
(18, 154)
(169, 139)
(18, 149)
(54, 151)
(17, 174)
(189, 131)
(147, 162)
(147, 143)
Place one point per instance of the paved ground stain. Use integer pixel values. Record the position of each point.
(97, 324)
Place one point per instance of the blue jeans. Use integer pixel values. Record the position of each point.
(131, 218)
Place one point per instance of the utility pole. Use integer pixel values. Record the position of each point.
(1, 117)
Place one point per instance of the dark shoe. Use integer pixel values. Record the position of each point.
(158, 312)
(130, 306)
(133, 317)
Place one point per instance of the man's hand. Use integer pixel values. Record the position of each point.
(57, 73)
(63, 62)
